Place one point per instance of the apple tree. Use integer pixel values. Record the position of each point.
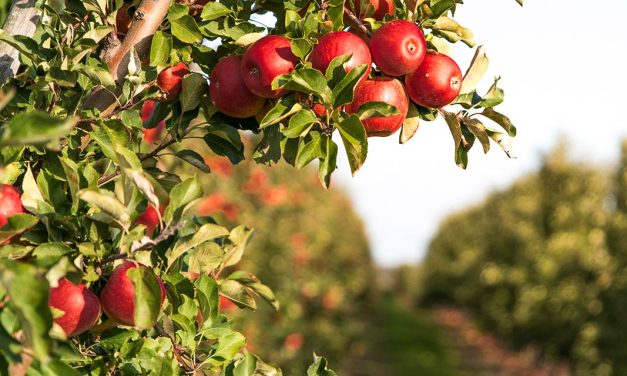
(103, 267)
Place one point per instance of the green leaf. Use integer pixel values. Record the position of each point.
(344, 90)
(147, 297)
(108, 204)
(35, 128)
(194, 86)
(376, 109)
(410, 125)
(63, 78)
(49, 254)
(300, 124)
(225, 140)
(228, 346)
(455, 127)
(329, 163)
(501, 120)
(265, 293)
(73, 179)
(301, 47)
(16, 225)
(186, 30)
(28, 291)
(237, 293)
(110, 136)
(478, 129)
(205, 258)
(494, 97)
(320, 367)
(205, 233)
(180, 196)
(284, 107)
(160, 48)
(306, 80)
(98, 75)
(476, 70)
(214, 10)
(26, 46)
(239, 236)
(309, 149)
(355, 141)
(452, 31)
(248, 39)
(268, 151)
(194, 159)
(336, 71)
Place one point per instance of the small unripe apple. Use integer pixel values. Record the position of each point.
(267, 58)
(150, 219)
(398, 47)
(10, 203)
(81, 307)
(123, 19)
(436, 82)
(151, 135)
(340, 43)
(376, 9)
(170, 80)
(381, 89)
(118, 295)
(229, 92)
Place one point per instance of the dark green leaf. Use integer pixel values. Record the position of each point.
(501, 120)
(320, 367)
(478, 129)
(309, 149)
(355, 141)
(344, 90)
(194, 86)
(329, 163)
(284, 107)
(147, 297)
(194, 159)
(225, 140)
(33, 128)
(306, 80)
(300, 124)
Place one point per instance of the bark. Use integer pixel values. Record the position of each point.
(23, 19)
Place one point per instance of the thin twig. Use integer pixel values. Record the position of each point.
(356, 22)
(176, 348)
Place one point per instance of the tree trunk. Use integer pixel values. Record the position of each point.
(23, 19)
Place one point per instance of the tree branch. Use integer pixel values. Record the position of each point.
(356, 22)
(176, 348)
(146, 21)
(23, 19)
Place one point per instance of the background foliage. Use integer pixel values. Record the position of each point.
(543, 262)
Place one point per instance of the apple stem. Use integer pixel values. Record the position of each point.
(356, 22)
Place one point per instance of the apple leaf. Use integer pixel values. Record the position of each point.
(225, 140)
(194, 85)
(328, 163)
(476, 70)
(186, 30)
(355, 141)
(478, 129)
(336, 71)
(305, 80)
(194, 159)
(501, 120)
(205, 233)
(160, 48)
(309, 149)
(147, 297)
(343, 92)
(181, 195)
(284, 107)
(108, 204)
(320, 367)
(300, 124)
(35, 128)
(214, 10)
(376, 109)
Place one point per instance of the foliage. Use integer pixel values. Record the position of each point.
(543, 263)
(72, 139)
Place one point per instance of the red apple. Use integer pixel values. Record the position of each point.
(123, 19)
(151, 135)
(293, 342)
(340, 43)
(170, 80)
(381, 89)
(376, 9)
(10, 203)
(118, 295)
(398, 47)
(81, 307)
(267, 58)
(436, 83)
(150, 219)
(229, 92)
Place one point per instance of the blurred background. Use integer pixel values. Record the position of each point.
(416, 267)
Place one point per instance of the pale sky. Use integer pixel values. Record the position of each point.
(563, 66)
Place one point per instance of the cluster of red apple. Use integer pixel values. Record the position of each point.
(240, 85)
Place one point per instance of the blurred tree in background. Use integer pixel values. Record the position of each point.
(309, 245)
(543, 263)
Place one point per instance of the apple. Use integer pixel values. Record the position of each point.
(123, 19)
(267, 58)
(376, 9)
(436, 83)
(293, 342)
(118, 295)
(10, 203)
(151, 135)
(150, 219)
(340, 43)
(398, 47)
(381, 89)
(229, 93)
(170, 80)
(81, 307)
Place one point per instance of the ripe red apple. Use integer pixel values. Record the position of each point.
(229, 92)
(376, 9)
(381, 89)
(10, 203)
(436, 83)
(150, 219)
(81, 307)
(340, 43)
(170, 80)
(293, 342)
(118, 295)
(151, 135)
(267, 58)
(398, 47)
(123, 19)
